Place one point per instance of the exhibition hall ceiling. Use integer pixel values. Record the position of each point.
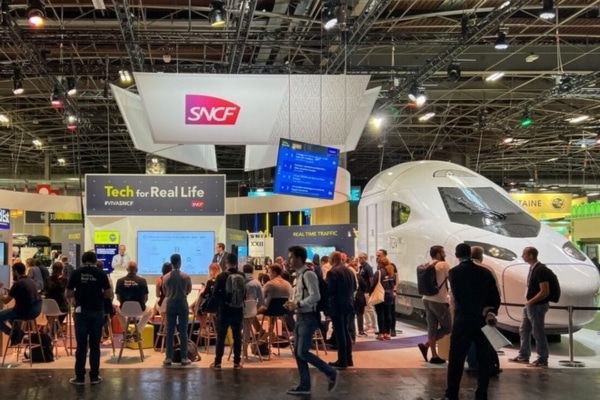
(442, 48)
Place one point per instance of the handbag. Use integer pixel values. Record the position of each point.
(209, 305)
(378, 295)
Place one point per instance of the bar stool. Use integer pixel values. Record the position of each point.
(209, 332)
(249, 336)
(276, 311)
(108, 324)
(318, 339)
(29, 328)
(132, 311)
(54, 327)
(162, 329)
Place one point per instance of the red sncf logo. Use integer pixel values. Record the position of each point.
(197, 204)
(207, 110)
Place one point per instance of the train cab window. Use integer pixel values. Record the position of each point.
(486, 208)
(400, 213)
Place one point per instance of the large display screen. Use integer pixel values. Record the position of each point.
(3, 253)
(154, 248)
(305, 169)
(320, 250)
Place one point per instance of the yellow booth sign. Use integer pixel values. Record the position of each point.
(549, 205)
(106, 237)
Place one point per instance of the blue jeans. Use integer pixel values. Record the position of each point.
(7, 315)
(533, 323)
(177, 313)
(88, 332)
(306, 325)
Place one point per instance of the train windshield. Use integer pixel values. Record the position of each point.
(487, 209)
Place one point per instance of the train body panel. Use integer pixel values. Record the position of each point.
(410, 207)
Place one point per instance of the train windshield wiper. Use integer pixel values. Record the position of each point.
(476, 207)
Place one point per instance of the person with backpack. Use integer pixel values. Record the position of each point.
(305, 303)
(534, 312)
(388, 279)
(433, 282)
(177, 285)
(230, 292)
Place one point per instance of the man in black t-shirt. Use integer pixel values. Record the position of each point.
(24, 292)
(89, 287)
(534, 312)
(133, 288)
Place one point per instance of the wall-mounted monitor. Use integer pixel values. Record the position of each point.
(154, 248)
(305, 169)
(320, 250)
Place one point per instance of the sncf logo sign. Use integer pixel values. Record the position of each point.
(207, 110)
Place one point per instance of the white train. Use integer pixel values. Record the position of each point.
(412, 206)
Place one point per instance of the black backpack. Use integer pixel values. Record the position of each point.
(46, 349)
(554, 285)
(323, 303)
(235, 290)
(427, 284)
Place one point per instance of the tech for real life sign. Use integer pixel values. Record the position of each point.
(169, 195)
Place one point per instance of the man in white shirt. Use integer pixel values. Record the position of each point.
(437, 309)
(120, 262)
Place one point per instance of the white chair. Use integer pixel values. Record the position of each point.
(249, 335)
(132, 311)
(52, 311)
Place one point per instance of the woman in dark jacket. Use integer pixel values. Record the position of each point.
(384, 310)
(56, 285)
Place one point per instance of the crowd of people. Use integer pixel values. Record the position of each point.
(332, 289)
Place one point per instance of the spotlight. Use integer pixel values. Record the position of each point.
(35, 13)
(167, 57)
(56, 99)
(17, 82)
(417, 96)
(454, 72)
(565, 83)
(547, 10)
(526, 120)
(61, 161)
(71, 86)
(72, 122)
(125, 76)
(501, 41)
(37, 142)
(330, 15)
(217, 16)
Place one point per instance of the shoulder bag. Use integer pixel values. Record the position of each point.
(378, 295)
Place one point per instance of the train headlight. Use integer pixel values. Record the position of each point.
(494, 251)
(572, 251)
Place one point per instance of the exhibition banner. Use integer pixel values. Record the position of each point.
(39, 218)
(156, 195)
(105, 253)
(4, 218)
(539, 203)
(107, 237)
(317, 239)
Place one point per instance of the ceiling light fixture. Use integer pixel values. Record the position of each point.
(56, 99)
(17, 82)
(547, 10)
(417, 96)
(217, 16)
(37, 142)
(167, 57)
(330, 15)
(531, 58)
(125, 76)
(72, 122)
(71, 86)
(501, 41)
(61, 161)
(578, 119)
(494, 77)
(426, 117)
(454, 72)
(36, 13)
(4, 119)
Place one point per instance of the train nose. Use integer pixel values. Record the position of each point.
(579, 287)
